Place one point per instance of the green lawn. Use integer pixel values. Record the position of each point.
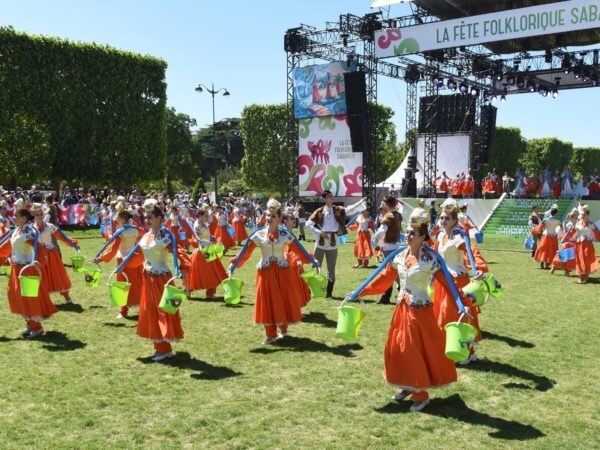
(87, 382)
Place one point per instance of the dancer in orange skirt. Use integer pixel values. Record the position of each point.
(204, 274)
(57, 279)
(549, 243)
(414, 351)
(568, 241)
(585, 256)
(162, 328)
(222, 233)
(239, 225)
(278, 298)
(24, 251)
(363, 250)
(295, 262)
(179, 226)
(453, 249)
(120, 245)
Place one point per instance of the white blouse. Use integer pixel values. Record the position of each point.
(22, 251)
(272, 251)
(414, 280)
(155, 252)
(452, 254)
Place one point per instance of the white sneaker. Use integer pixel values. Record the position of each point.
(401, 395)
(269, 340)
(162, 356)
(120, 316)
(34, 334)
(418, 406)
(469, 360)
(282, 334)
(26, 333)
(69, 301)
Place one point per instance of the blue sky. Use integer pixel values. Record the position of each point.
(238, 45)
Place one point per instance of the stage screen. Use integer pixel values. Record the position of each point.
(326, 160)
(452, 155)
(319, 90)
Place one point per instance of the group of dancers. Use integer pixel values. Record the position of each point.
(551, 238)
(414, 354)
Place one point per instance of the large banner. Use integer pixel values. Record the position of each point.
(320, 90)
(326, 160)
(550, 18)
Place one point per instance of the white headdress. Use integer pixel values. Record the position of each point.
(149, 204)
(273, 204)
(449, 205)
(418, 217)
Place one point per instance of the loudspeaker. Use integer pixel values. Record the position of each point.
(356, 105)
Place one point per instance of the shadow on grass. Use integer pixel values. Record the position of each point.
(454, 407)
(7, 339)
(507, 340)
(302, 344)
(70, 307)
(541, 382)
(132, 318)
(97, 307)
(319, 318)
(116, 325)
(206, 371)
(57, 341)
(207, 300)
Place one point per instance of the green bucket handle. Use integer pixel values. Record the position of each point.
(30, 284)
(458, 338)
(350, 319)
(118, 290)
(172, 297)
(92, 277)
(493, 286)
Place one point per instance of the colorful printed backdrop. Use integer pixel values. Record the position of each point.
(326, 160)
(320, 90)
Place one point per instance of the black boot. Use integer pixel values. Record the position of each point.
(385, 298)
(329, 293)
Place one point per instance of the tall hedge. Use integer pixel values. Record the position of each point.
(98, 113)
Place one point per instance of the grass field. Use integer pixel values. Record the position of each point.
(88, 383)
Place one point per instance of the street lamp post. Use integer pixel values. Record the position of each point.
(212, 91)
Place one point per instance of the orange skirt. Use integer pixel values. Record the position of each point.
(224, 238)
(298, 270)
(134, 276)
(152, 322)
(585, 257)
(568, 266)
(414, 351)
(240, 231)
(212, 227)
(546, 249)
(57, 279)
(205, 275)
(278, 296)
(31, 308)
(362, 246)
(445, 309)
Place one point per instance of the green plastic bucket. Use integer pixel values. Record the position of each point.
(493, 286)
(172, 298)
(350, 318)
(30, 284)
(233, 290)
(317, 286)
(458, 337)
(309, 274)
(92, 276)
(212, 252)
(118, 291)
(78, 261)
(477, 291)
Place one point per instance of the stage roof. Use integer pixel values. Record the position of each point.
(454, 9)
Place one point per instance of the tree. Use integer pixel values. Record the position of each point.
(180, 149)
(389, 154)
(584, 160)
(546, 151)
(230, 148)
(508, 147)
(268, 164)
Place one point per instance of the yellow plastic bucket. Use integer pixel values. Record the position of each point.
(78, 261)
(92, 276)
(477, 291)
(172, 298)
(350, 319)
(233, 290)
(492, 285)
(118, 291)
(458, 337)
(30, 284)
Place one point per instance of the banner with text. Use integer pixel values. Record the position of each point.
(326, 160)
(552, 18)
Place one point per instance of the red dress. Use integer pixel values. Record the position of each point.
(20, 248)
(362, 247)
(278, 295)
(222, 233)
(548, 245)
(238, 221)
(585, 255)
(414, 350)
(57, 279)
(120, 247)
(204, 274)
